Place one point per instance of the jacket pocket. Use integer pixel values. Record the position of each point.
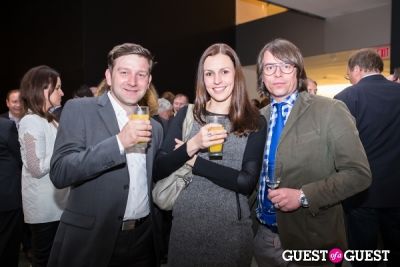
(308, 137)
(76, 219)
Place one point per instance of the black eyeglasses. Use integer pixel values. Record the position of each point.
(270, 69)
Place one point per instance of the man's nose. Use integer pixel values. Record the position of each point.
(132, 80)
(278, 71)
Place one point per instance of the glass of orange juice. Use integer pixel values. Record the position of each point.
(215, 151)
(140, 113)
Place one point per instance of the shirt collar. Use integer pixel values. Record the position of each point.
(13, 118)
(371, 74)
(116, 106)
(290, 100)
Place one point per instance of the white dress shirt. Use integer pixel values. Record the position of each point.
(14, 119)
(138, 199)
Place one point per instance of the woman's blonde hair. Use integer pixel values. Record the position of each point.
(150, 99)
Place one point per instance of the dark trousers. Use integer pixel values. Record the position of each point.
(135, 248)
(42, 240)
(10, 236)
(364, 225)
(166, 229)
(27, 241)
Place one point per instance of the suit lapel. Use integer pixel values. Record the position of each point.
(107, 114)
(302, 104)
(150, 155)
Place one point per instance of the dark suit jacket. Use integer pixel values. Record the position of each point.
(10, 166)
(164, 123)
(87, 158)
(57, 112)
(5, 115)
(321, 153)
(375, 103)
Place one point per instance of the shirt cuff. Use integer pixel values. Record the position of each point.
(120, 146)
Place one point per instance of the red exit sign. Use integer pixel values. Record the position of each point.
(383, 51)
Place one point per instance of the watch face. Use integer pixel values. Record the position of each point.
(303, 201)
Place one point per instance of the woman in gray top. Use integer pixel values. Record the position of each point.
(211, 218)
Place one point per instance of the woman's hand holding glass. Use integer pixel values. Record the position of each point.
(206, 138)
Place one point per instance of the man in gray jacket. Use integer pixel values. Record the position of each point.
(110, 217)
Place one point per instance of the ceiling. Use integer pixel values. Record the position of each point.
(329, 8)
(329, 69)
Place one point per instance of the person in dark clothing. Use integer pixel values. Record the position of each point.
(374, 103)
(11, 216)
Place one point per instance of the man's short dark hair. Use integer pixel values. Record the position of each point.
(128, 49)
(367, 59)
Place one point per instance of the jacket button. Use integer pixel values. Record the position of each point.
(126, 187)
(120, 218)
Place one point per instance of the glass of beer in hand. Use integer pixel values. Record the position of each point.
(215, 151)
(140, 113)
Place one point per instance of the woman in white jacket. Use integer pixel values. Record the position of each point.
(42, 202)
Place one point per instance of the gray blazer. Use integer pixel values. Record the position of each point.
(87, 159)
(321, 153)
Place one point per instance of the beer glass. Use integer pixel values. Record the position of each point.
(140, 113)
(215, 151)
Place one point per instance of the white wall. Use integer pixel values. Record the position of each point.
(251, 81)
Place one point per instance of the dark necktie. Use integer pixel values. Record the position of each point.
(276, 133)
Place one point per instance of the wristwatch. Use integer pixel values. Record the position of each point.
(303, 200)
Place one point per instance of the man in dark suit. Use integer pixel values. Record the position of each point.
(15, 110)
(110, 217)
(11, 217)
(375, 103)
(15, 113)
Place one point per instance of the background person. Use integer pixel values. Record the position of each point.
(164, 113)
(84, 91)
(374, 102)
(11, 216)
(312, 86)
(15, 113)
(42, 202)
(180, 101)
(15, 108)
(395, 77)
(169, 96)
